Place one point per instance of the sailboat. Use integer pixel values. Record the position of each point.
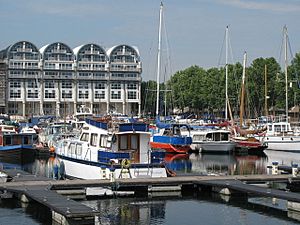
(245, 139)
(169, 136)
(279, 135)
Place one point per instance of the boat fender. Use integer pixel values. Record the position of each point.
(113, 138)
(62, 171)
(52, 149)
(125, 163)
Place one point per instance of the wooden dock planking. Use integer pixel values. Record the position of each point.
(240, 186)
(56, 202)
(43, 191)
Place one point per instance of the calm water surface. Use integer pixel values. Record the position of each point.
(196, 209)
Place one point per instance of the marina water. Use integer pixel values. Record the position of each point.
(186, 208)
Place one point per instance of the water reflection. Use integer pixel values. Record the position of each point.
(214, 164)
(182, 164)
(186, 210)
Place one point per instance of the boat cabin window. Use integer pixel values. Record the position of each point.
(129, 142)
(224, 136)
(270, 128)
(277, 128)
(167, 132)
(84, 137)
(209, 137)
(71, 149)
(94, 138)
(78, 149)
(8, 140)
(103, 140)
(198, 137)
(26, 140)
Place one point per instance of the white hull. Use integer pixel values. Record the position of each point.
(283, 143)
(213, 146)
(3, 177)
(84, 171)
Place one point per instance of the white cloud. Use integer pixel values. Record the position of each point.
(260, 5)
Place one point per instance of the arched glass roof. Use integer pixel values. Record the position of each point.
(23, 50)
(124, 54)
(90, 52)
(57, 52)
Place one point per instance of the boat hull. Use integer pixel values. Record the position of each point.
(222, 147)
(82, 169)
(283, 143)
(17, 151)
(170, 148)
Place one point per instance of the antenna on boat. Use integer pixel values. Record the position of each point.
(158, 57)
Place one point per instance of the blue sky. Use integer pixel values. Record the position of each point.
(194, 28)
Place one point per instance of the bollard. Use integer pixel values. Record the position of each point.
(294, 170)
(274, 168)
(112, 175)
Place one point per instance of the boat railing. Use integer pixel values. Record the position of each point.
(118, 125)
(273, 119)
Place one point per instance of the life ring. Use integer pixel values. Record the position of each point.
(125, 163)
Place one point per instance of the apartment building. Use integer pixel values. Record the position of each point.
(58, 80)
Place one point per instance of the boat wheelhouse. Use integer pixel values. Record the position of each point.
(212, 140)
(14, 144)
(110, 149)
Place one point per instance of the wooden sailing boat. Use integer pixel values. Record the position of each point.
(243, 138)
(169, 137)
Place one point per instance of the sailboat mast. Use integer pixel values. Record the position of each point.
(226, 73)
(158, 58)
(243, 90)
(286, 72)
(266, 92)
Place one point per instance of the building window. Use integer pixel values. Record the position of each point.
(49, 84)
(132, 86)
(32, 84)
(83, 85)
(83, 94)
(100, 94)
(115, 86)
(32, 94)
(100, 85)
(66, 74)
(15, 84)
(116, 95)
(49, 66)
(66, 94)
(15, 72)
(131, 94)
(85, 74)
(51, 73)
(15, 94)
(117, 75)
(66, 84)
(49, 94)
(131, 75)
(99, 74)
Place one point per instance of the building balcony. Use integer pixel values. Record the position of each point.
(59, 51)
(24, 50)
(88, 52)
